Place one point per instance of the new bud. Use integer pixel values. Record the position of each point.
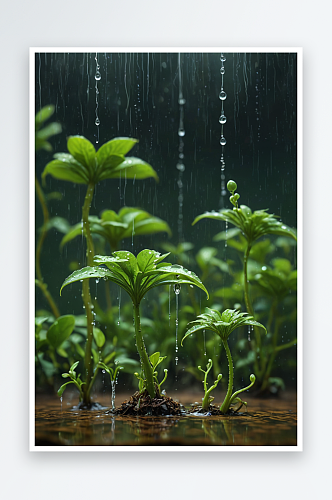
(231, 186)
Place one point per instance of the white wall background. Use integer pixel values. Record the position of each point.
(131, 23)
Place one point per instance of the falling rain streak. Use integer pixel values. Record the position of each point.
(97, 79)
(222, 121)
(180, 164)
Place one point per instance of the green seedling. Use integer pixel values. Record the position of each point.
(155, 360)
(138, 275)
(252, 225)
(74, 379)
(223, 325)
(84, 165)
(115, 227)
(207, 400)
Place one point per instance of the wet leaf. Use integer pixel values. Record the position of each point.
(85, 273)
(83, 151)
(83, 165)
(253, 225)
(99, 337)
(222, 324)
(44, 114)
(60, 330)
(119, 146)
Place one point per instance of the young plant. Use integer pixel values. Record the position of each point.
(84, 165)
(207, 400)
(115, 227)
(138, 275)
(74, 379)
(223, 325)
(252, 225)
(155, 360)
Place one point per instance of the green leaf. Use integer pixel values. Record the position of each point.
(177, 274)
(222, 324)
(134, 168)
(109, 357)
(85, 273)
(227, 235)
(44, 114)
(191, 330)
(48, 131)
(58, 223)
(72, 233)
(154, 359)
(252, 224)
(118, 146)
(60, 330)
(99, 337)
(83, 151)
(66, 171)
(62, 388)
(48, 368)
(39, 320)
(147, 259)
(204, 256)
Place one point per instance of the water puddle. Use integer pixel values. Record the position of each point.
(266, 423)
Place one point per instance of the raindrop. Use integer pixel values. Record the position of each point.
(113, 394)
(181, 167)
(223, 141)
(222, 119)
(182, 101)
(97, 75)
(181, 132)
(222, 70)
(222, 95)
(97, 121)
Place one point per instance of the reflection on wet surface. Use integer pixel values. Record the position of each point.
(266, 423)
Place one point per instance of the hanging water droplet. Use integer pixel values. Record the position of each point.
(222, 58)
(97, 122)
(222, 95)
(222, 119)
(222, 70)
(181, 132)
(223, 141)
(181, 167)
(182, 101)
(97, 75)
(177, 288)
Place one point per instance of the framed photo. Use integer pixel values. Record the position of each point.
(166, 249)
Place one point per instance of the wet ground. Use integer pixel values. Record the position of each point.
(266, 422)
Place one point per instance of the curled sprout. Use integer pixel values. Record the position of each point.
(235, 399)
(207, 398)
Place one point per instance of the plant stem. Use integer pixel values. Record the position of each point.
(246, 281)
(146, 365)
(39, 246)
(88, 361)
(249, 307)
(225, 405)
(90, 253)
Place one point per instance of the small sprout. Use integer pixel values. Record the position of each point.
(206, 401)
(223, 324)
(231, 186)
